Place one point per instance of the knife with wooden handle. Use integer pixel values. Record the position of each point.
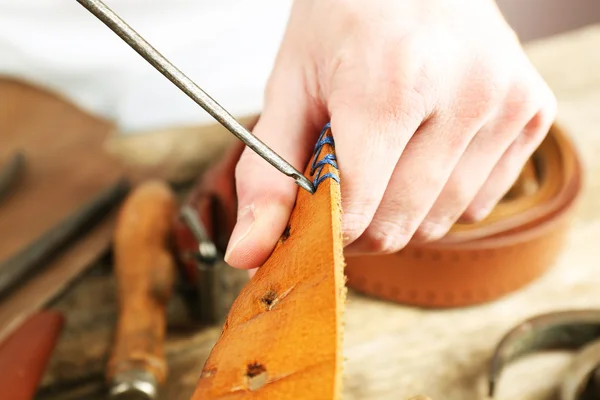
(145, 273)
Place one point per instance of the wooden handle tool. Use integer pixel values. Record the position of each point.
(145, 272)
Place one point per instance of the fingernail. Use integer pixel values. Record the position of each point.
(430, 231)
(476, 215)
(482, 213)
(351, 228)
(242, 228)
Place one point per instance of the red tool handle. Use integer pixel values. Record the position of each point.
(25, 354)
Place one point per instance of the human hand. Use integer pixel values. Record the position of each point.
(433, 105)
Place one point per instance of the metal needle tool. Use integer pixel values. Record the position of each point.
(158, 61)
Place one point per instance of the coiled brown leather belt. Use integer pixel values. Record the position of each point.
(473, 263)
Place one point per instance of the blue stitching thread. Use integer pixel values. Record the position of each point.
(327, 159)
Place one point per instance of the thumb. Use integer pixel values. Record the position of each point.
(266, 196)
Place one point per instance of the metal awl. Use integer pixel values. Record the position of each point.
(158, 61)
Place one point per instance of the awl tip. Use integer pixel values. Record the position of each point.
(305, 184)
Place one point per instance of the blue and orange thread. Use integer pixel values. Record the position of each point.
(328, 159)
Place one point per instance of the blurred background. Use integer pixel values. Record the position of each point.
(534, 19)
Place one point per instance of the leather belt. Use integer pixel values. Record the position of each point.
(295, 301)
(476, 263)
(473, 263)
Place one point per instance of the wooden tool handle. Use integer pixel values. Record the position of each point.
(145, 273)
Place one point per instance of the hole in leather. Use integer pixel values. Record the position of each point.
(286, 234)
(256, 376)
(254, 369)
(269, 299)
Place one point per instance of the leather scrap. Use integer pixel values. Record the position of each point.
(25, 354)
(66, 166)
(283, 336)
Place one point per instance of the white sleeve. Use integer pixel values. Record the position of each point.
(226, 46)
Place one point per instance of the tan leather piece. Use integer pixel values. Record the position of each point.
(480, 262)
(283, 335)
(66, 166)
(145, 273)
(25, 353)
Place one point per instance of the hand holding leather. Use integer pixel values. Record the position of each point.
(434, 107)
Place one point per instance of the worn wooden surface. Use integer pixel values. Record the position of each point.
(395, 352)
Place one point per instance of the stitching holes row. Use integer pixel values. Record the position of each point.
(329, 158)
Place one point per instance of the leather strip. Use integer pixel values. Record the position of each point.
(283, 335)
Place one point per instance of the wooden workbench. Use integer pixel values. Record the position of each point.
(395, 352)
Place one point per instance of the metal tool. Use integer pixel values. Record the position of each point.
(19, 267)
(216, 283)
(561, 330)
(158, 61)
(10, 174)
(582, 379)
(207, 251)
